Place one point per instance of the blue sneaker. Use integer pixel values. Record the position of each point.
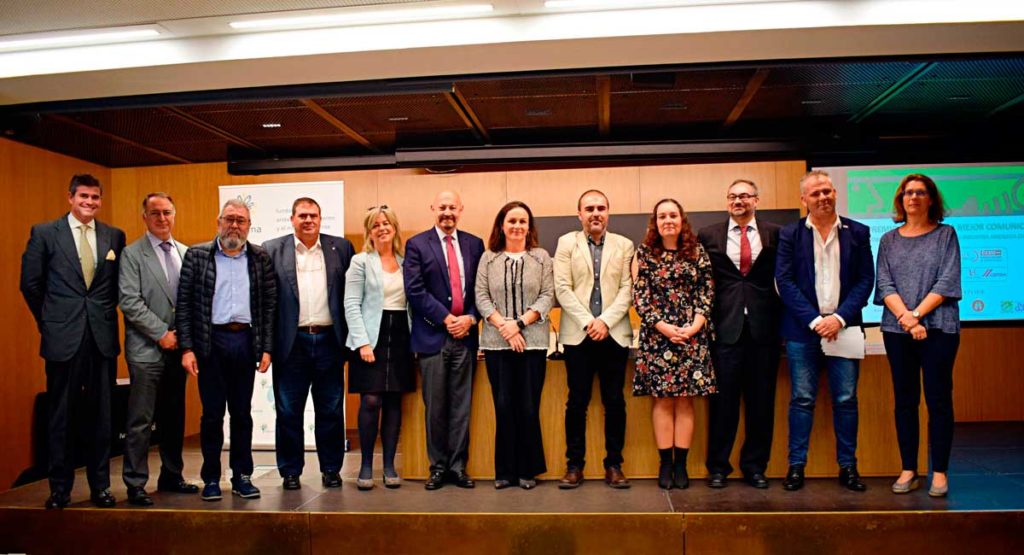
(211, 492)
(242, 487)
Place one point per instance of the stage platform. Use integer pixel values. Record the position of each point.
(983, 514)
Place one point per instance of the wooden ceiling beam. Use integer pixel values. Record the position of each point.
(206, 126)
(753, 85)
(460, 104)
(604, 105)
(118, 138)
(338, 124)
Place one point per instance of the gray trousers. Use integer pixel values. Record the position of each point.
(448, 396)
(157, 395)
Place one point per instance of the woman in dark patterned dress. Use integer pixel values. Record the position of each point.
(672, 292)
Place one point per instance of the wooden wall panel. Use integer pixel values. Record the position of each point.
(34, 183)
(989, 377)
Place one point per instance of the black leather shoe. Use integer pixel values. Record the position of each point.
(103, 499)
(331, 479)
(181, 486)
(717, 480)
(57, 501)
(436, 480)
(462, 480)
(756, 480)
(291, 482)
(849, 478)
(502, 484)
(665, 475)
(794, 478)
(138, 496)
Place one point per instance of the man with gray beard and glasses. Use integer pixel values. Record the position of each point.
(227, 299)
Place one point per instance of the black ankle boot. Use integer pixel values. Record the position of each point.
(680, 479)
(665, 475)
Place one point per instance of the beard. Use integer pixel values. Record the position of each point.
(232, 242)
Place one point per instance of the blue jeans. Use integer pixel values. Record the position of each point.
(805, 362)
(316, 362)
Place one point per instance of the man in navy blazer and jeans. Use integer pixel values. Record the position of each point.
(440, 273)
(309, 343)
(824, 272)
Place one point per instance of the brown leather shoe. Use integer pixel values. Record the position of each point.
(614, 477)
(572, 479)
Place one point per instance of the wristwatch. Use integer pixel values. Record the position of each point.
(916, 314)
(521, 323)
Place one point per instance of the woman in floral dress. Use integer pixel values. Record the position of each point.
(672, 292)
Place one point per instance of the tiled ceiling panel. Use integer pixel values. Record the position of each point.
(390, 120)
(960, 88)
(816, 90)
(533, 103)
(266, 123)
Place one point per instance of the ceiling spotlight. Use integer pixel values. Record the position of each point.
(271, 125)
(539, 113)
(810, 102)
(398, 118)
(362, 17)
(673, 106)
(959, 97)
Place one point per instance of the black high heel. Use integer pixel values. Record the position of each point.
(665, 475)
(680, 479)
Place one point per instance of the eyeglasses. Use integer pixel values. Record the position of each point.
(234, 220)
(910, 193)
(158, 213)
(381, 207)
(742, 196)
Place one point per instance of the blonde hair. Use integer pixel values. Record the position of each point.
(371, 218)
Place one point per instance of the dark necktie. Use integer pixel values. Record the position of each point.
(172, 270)
(744, 251)
(454, 277)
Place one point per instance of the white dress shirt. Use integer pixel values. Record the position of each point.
(311, 274)
(175, 256)
(90, 233)
(826, 270)
(732, 242)
(458, 254)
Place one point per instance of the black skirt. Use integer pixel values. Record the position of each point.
(392, 370)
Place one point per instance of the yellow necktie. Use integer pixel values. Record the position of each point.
(85, 255)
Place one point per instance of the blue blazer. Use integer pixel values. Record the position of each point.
(430, 292)
(338, 252)
(794, 276)
(364, 299)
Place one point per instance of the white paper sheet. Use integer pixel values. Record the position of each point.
(849, 343)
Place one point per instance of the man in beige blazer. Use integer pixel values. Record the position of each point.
(594, 287)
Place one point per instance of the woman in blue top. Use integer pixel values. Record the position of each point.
(918, 281)
(378, 332)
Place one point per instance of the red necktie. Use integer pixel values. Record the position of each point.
(456, 279)
(744, 251)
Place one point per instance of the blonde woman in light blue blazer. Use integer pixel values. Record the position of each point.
(378, 332)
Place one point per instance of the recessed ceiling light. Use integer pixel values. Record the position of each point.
(80, 37)
(673, 106)
(539, 113)
(271, 125)
(958, 97)
(811, 102)
(398, 118)
(362, 17)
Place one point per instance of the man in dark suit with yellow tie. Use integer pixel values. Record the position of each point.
(69, 279)
(747, 344)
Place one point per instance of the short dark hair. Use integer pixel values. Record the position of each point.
(496, 243)
(305, 200)
(145, 200)
(747, 181)
(936, 212)
(579, 203)
(84, 180)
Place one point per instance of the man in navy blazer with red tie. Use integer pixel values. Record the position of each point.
(440, 275)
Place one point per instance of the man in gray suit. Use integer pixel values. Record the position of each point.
(69, 281)
(150, 269)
